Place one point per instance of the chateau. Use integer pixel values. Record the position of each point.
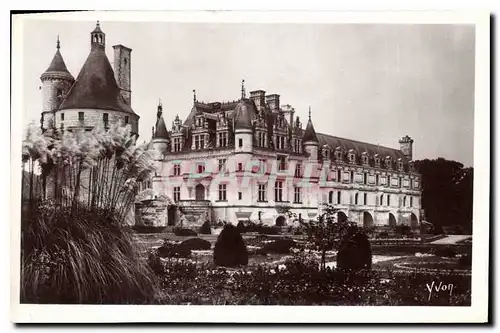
(248, 159)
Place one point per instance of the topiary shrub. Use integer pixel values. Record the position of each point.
(178, 231)
(195, 244)
(447, 252)
(354, 251)
(172, 250)
(241, 227)
(281, 246)
(205, 228)
(230, 249)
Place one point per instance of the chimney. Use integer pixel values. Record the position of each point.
(258, 97)
(122, 69)
(406, 146)
(274, 102)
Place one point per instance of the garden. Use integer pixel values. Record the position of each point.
(79, 188)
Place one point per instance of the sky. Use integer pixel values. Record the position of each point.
(373, 83)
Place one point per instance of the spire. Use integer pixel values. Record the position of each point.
(160, 110)
(58, 45)
(57, 66)
(161, 130)
(310, 133)
(243, 89)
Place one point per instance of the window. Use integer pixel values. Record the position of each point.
(126, 119)
(281, 163)
(177, 169)
(404, 201)
(240, 195)
(388, 180)
(356, 198)
(105, 119)
(297, 197)
(261, 136)
(388, 200)
(262, 166)
(377, 180)
(365, 199)
(222, 164)
(339, 197)
(177, 194)
(222, 192)
(411, 183)
(177, 144)
(81, 116)
(59, 93)
(298, 171)
(222, 139)
(352, 176)
(62, 127)
(278, 191)
(296, 145)
(201, 167)
(240, 143)
(262, 196)
(62, 116)
(339, 176)
(240, 166)
(365, 178)
(377, 161)
(352, 158)
(381, 200)
(330, 197)
(199, 141)
(280, 142)
(411, 201)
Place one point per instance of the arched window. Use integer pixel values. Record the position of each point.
(339, 176)
(381, 199)
(356, 198)
(404, 201)
(330, 197)
(388, 200)
(338, 197)
(365, 199)
(411, 201)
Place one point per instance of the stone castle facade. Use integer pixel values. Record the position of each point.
(248, 159)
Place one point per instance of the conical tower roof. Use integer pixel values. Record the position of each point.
(243, 114)
(57, 67)
(161, 129)
(310, 133)
(96, 87)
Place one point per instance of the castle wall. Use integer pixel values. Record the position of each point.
(92, 117)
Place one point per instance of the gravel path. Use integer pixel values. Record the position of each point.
(451, 239)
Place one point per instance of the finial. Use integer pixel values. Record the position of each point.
(160, 109)
(309, 113)
(242, 88)
(58, 43)
(194, 95)
(97, 24)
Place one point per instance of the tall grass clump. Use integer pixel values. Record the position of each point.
(77, 190)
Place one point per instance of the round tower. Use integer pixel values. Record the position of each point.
(160, 137)
(406, 146)
(56, 82)
(310, 140)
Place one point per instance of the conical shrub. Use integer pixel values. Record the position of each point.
(230, 249)
(354, 251)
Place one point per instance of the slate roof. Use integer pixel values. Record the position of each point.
(96, 87)
(161, 130)
(243, 114)
(57, 67)
(310, 133)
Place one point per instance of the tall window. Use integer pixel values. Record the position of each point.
(177, 194)
(177, 169)
(281, 162)
(388, 200)
(240, 195)
(240, 142)
(199, 141)
(262, 166)
(404, 201)
(222, 164)
(352, 176)
(201, 167)
(280, 142)
(411, 201)
(105, 118)
(126, 119)
(177, 144)
(296, 145)
(298, 170)
(400, 182)
(261, 138)
(278, 191)
(222, 192)
(262, 197)
(240, 166)
(365, 178)
(62, 116)
(330, 197)
(356, 198)
(381, 200)
(339, 176)
(339, 197)
(365, 199)
(297, 195)
(388, 180)
(377, 180)
(222, 139)
(411, 183)
(81, 116)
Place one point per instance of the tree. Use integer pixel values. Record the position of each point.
(447, 192)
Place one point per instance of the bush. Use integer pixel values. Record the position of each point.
(402, 229)
(267, 230)
(178, 231)
(172, 250)
(205, 228)
(383, 235)
(241, 227)
(281, 246)
(465, 261)
(230, 249)
(195, 244)
(354, 251)
(447, 252)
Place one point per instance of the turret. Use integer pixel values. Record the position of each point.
(160, 139)
(310, 140)
(406, 146)
(56, 82)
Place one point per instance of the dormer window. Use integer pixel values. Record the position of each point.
(338, 154)
(388, 162)
(222, 141)
(199, 141)
(411, 166)
(400, 164)
(352, 156)
(326, 152)
(364, 158)
(297, 145)
(377, 161)
(177, 145)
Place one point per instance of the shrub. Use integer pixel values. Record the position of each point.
(172, 250)
(354, 251)
(465, 261)
(402, 229)
(241, 227)
(205, 228)
(178, 231)
(230, 249)
(383, 235)
(281, 246)
(298, 232)
(268, 230)
(195, 244)
(447, 252)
